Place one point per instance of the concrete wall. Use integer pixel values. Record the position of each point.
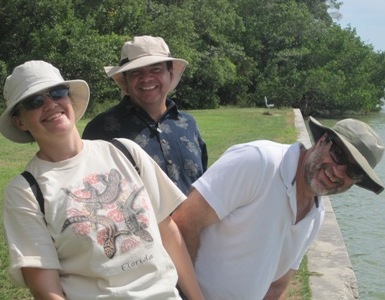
(332, 276)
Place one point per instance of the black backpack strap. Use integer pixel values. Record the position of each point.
(127, 153)
(35, 189)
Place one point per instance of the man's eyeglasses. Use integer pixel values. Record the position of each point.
(36, 101)
(340, 157)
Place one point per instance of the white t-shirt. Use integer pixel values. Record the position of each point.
(102, 224)
(256, 242)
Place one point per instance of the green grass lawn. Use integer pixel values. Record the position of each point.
(220, 129)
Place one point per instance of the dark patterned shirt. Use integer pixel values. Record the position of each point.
(174, 142)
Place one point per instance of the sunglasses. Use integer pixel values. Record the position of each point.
(36, 101)
(340, 157)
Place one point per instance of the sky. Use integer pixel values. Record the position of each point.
(368, 18)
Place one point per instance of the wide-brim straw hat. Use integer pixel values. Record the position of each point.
(141, 52)
(31, 78)
(363, 144)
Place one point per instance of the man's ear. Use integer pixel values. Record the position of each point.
(18, 123)
(322, 139)
(121, 81)
(124, 88)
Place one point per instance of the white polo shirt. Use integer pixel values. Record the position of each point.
(252, 190)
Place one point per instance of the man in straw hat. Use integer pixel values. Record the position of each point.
(147, 73)
(105, 231)
(251, 217)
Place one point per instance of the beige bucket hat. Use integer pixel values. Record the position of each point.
(362, 142)
(144, 51)
(31, 78)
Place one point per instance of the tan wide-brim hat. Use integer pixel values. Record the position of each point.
(363, 144)
(31, 78)
(144, 51)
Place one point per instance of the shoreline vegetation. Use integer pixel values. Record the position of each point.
(220, 128)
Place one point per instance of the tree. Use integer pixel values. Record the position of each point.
(238, 51)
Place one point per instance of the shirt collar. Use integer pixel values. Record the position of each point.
(288, 172)
(289, 164)
(129, 105)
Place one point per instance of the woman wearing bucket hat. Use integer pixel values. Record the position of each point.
(105, 231)
(147, 73)
(258, 207)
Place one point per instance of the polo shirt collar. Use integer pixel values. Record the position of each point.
(129, 105)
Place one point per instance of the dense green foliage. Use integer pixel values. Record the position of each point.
(239, 51)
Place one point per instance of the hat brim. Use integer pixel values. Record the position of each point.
(116, 73)
(371, 181)
(79, 94)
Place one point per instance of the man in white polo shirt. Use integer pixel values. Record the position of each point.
(253, 214)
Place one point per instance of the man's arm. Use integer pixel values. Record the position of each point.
(277, 288)
(176, 248)
(44, 284)
(192, 216)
